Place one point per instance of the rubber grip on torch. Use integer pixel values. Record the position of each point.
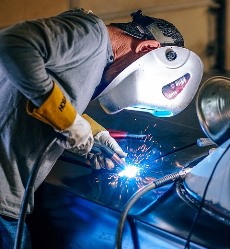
(111, 154)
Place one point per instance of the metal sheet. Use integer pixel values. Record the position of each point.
(77, 207)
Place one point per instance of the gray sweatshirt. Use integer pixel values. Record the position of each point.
(73, 48)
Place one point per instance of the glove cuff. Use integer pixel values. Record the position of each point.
(56, 110)
(95, 127)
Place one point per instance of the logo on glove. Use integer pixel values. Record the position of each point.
(63, 103)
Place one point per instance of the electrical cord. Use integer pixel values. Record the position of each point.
(27, 195)
(156, 184)
(195, 219)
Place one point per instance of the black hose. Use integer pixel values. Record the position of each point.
(27, 195)
(156, 184)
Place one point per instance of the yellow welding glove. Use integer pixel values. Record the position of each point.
(101, 135)
(95, 127)
(59, 113)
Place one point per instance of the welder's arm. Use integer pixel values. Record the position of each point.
(101, 135)
(59, 113)
(28, 55)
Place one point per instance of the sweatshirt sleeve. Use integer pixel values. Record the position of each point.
(23, 55)
(32, 51)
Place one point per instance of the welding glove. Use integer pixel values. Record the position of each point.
(101, 135)
(59, 113)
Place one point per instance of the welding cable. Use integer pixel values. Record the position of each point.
(195, 219)
(27, 195)
(153, 185)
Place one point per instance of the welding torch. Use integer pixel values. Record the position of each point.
(110, 154)
(70, 156)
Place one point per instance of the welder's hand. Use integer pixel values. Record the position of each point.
(105, 138)
(58, 112)
(78, 137)
(99, 160)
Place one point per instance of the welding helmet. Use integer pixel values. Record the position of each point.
(150, 28)
(162, 82)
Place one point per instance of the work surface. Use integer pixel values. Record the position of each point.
(77, 207)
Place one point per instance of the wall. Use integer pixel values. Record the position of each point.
(12, 11)
(192, 17)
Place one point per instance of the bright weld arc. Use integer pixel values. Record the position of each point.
(132, 171)
(129, 171)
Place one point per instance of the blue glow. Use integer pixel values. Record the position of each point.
(130, 171)
(162, 113)
(157, 113)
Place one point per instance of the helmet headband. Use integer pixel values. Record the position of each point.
(149, 28)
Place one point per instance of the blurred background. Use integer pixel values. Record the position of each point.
(204, 23)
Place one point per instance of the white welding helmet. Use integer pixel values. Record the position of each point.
(162, 82)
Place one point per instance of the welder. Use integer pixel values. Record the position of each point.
(51, 68)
